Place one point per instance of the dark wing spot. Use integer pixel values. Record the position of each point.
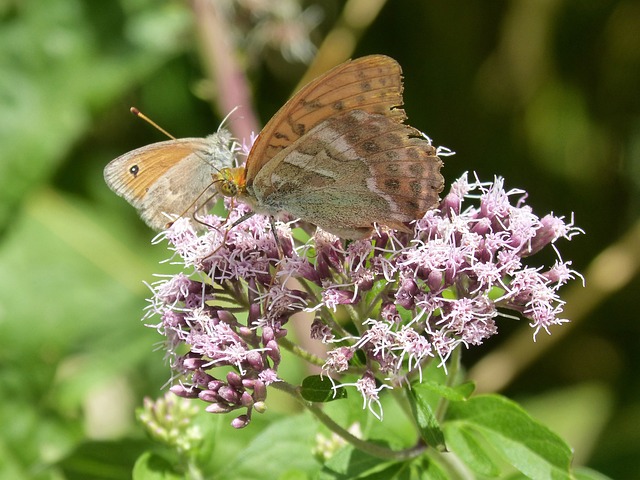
(370, 146)
(392, 184)
(413, 205)
(280, 136)
(416, 169)
(311, 148)
(299, 129)
(313, 104)
(413, 153)
(353, 137)
(394, 139)
(372, 128)
(392, 168)
(416, 187)
(339, 105)
(392, 155)
(134, 170)
(346, 122)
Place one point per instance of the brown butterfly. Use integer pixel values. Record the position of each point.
(336, 155)
(168, 179)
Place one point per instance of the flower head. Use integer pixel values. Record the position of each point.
(408, 298)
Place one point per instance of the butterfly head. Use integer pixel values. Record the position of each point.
(230, 182)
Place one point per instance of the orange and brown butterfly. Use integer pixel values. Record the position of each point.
(337, 155)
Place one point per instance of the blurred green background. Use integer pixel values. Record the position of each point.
(543, 92)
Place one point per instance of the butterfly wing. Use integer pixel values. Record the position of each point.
(372, 84)
(165, 177)
(350, 171)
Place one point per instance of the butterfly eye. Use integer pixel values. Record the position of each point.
(228, 188)
(230, 182)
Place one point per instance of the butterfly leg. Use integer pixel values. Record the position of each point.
(276, 238)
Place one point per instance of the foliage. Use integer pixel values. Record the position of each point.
(542, 94)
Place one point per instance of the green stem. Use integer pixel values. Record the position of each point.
(372, 304)
(326, 315)
(355, 318)
(454, 368)
(300, 352)
(307, 288)
(194, 471)
(314, 359)
(372, 449)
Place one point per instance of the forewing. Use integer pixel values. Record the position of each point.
(372, 84)
(165, 177)
(132, 175)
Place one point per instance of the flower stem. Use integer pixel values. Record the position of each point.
(300, 352)
(454, 368)
(367, 447)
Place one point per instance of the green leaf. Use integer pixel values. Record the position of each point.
(500, 423)
(154, 467)
(468, 448)
(425, 468)
(405, 315)
(372, 295)
(496, 292)
(426, 419)
(294, 475)
(456, 394)
(578, 412)
(55, 72)
(449, 293)
(349, 462)
(316, 388)
(102, 460)
(282, 448)
(584, 473)
(395, 471)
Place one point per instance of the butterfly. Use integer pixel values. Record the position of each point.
(171, 178)
(336, 155)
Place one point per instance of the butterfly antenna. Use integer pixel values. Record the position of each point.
(142, 116)
(224, 120)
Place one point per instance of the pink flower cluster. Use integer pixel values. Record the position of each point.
(409, 298)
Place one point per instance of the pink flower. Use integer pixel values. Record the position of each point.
(391, 303)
